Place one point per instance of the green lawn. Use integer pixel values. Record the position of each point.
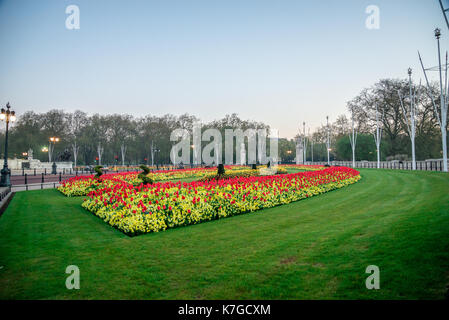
(317, 248)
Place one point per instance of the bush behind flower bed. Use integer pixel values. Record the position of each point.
(245, 173)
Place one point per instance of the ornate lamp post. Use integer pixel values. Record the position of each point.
(289, 153)
(6, 115)
(53, 141)
(155, 152)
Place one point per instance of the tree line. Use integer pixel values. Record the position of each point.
(395, 143)
(124, 139)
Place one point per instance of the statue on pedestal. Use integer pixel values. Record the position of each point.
(64, 156)
(30, 154)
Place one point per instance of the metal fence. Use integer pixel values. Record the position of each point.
(35, 186)
(64, 171)
(31, 179)
(428, 165)
(34, 180)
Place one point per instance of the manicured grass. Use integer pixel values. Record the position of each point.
(294, 170)
(317, 248)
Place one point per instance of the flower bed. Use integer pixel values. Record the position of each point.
(182, 174)
(156, 207)
(305, 167)
(82, 185)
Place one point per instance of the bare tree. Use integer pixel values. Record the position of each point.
(76, 122)
(378, 134)
(100, 150)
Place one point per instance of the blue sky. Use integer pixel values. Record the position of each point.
(281, 62)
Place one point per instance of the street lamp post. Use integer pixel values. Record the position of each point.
(155, 151)
(442, 115)
(289, 152)
(53, 141)
(410, 123)
(443, 102)
(6, 115)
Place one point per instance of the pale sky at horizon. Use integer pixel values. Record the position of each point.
(280, 62)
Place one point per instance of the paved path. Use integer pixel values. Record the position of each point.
(31, 179)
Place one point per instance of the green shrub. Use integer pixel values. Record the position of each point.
(221, 169)
(98, 171)
(231, 174)
(143, 176)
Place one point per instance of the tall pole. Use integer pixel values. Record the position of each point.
(378, 144)
(444, 13)
(353, 139)
(6, 115)
(311, 147)
(53, 166)
(304, 146)
(443, 104)
(53, 141)
(5, 180)
(412, 118)
(328, 141)
(410, 123)
(442, 118)
(152, 154)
